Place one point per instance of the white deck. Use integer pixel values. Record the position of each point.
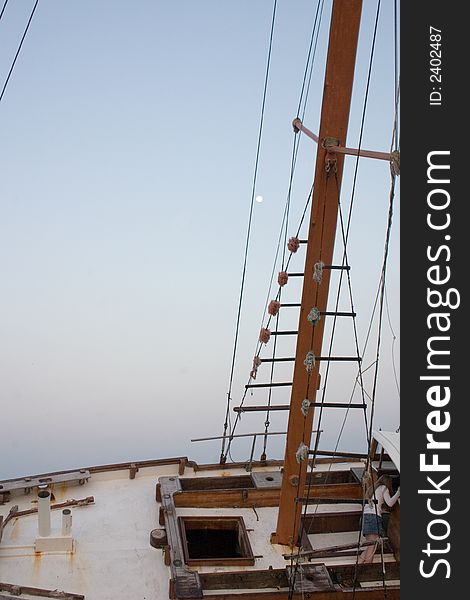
(112, 556)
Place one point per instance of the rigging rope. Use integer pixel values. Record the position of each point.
(3, 9)
(258, 347)
(394, 338)
(247, 242)
(284, 224)
(382, 298)
(19, 48)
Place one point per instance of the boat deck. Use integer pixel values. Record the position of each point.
(111, 556)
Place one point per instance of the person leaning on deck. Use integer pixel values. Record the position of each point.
(372, 526)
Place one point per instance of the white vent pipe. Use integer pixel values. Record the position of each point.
(66, 521)
(44, 513)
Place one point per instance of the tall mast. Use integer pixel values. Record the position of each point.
(344, 32)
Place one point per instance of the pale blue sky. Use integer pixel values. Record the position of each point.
(127, 144)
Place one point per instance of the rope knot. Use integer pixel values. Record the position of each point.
(274, 307)
(318, 271)
(302, 453)
(282, 278)
(305, 406)
(264, 335)
(293, 244)
(254, 370)
(395, 163)
(314, 316)
(309, 361)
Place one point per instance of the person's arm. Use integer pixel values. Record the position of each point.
(390, 500)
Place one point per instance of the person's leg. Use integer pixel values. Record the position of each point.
(367, 555)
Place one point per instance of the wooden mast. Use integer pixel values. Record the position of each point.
(344, 31)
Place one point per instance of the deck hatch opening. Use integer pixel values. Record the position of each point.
(215, 541)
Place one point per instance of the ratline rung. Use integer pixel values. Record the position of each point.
(282, 359)
(284, 332)
(326, 313)
(339, 358)
(337, 267)
(319, 358)
(337, 454)
(296, 274)
(265, 385)
(337, 405)
(325, 500)
(240, 409)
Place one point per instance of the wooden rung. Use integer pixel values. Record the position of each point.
(290, 304)
(296, 274)
(282, 359)
(261, 385)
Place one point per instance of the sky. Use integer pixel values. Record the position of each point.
(128, 135)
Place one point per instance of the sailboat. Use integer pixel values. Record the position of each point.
(261, 529)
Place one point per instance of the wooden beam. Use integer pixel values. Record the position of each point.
(369, 572)
(299, 126)
(184, 583)
(273, 584)
(28, 483)
(18, 590)
(251, 490)
(358, 593)
(71, 502)
(247, 498)
(344, 32)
